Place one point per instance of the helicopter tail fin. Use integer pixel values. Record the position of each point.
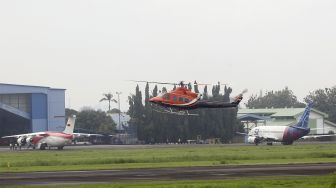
(236, 100)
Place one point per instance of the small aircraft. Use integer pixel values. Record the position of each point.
(284, 134)
(49, 139)
(182, 98)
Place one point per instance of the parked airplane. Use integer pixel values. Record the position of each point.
(42, 140)
(284, 134)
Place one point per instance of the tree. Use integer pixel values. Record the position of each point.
(108, 97)
(196, 87)
(155, 127)
(155, 91)
(70, 112)
(277, 99)
(325, 101)
(189, 86)
(147, 95)
(114, 111)
(92, 121)
(227, 93)
(205, 93)
(95, 121)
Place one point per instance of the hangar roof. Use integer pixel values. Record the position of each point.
(279, 112)
(15, 88)
(19, 85)
(251, 117)
(329, 123)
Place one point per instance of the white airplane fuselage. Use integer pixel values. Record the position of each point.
(49, 139)
(284, 134)
(55, 140)
(52, 139)
(269, 131)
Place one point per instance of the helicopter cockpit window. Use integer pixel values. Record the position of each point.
(166, 96)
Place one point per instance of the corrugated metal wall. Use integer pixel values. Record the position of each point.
(39, 112)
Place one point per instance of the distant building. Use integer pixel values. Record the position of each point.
(26, 109)
(124, 119)
(125, 132)
(285, 117)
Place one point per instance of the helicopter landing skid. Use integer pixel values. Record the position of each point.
(179, 113)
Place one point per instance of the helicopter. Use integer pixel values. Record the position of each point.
(183, 99)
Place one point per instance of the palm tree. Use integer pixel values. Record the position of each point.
(108, 97)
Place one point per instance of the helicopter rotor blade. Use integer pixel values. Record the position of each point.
(181, 83)
(201, 84)
(151, 82)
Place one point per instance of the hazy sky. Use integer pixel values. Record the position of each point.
(92, 47)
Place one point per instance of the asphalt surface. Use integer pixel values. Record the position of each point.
(188, 173)
(76, 147)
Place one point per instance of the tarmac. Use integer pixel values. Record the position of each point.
(166, 174)
(158, 174)
(76, 147)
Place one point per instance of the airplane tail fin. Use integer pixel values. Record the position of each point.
(69, 127)
(303, 123)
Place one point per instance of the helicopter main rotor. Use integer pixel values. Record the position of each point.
(181, 83)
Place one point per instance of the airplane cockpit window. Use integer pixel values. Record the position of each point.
(256, 131)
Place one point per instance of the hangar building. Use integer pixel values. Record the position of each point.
(25, 109)
(286, 117)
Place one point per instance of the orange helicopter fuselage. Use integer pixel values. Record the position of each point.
(180, 97)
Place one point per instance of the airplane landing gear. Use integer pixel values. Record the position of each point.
(43, 146)
(60, 147)
(287, 143)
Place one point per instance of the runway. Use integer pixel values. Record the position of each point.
(84, 147)
(185, 173)
(77, 147)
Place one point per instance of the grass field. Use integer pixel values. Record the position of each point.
(173, 156)
(271, 182)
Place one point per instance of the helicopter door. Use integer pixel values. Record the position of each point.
(181, 100)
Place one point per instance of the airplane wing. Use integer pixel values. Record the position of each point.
(85, 134)
(269, 138)
(242, 133)
(272, 139)
(26, 135)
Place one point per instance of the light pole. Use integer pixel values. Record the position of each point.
(119, 93)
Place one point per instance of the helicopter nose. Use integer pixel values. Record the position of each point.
(154, 100)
